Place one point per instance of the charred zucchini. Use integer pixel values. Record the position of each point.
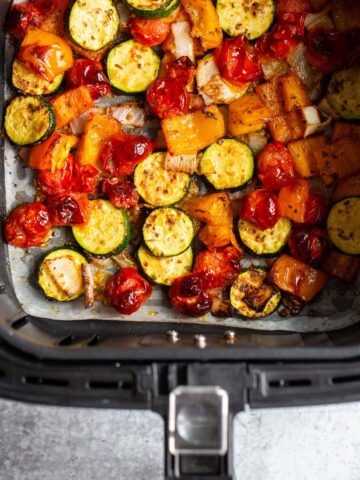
(343, 225)
(265, 242)
(344, 93)
(153, 8)
(25, 80)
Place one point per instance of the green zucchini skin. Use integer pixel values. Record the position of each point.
(343, 93)
(54, 275)
(157, 186)
(168, 231)
(107, 232)
(164, 8)
(251, 18)
(29, 120)
(26, 82)
(232, 164)
(343, 225)
(92, 25)
(164, 270)
(131, 67)
(265, 242)
(249, 286)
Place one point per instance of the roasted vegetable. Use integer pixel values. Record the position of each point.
(302, 153)
(347, 187)
(26, 81)
(265, 242)
(341, 266)
(51, 154)
(293, 200)
(292, 92)
(205, 22)
(345, 129)
(71, 104)
(214, 209)
(344, 93)
(217, 236)
(247, 114)
(343, 225)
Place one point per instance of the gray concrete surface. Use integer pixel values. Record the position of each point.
(51, 443)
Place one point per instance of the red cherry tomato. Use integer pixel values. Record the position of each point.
(261, 208)
(121, 193)
(237, 62)
(127, 291)
(99, 90)
(182, 70)
(121, 153)
(85, 178)
(316, 208)
(68, 209)
(90, 73)
(275, 166)
(59, 181)
(308, 244)
(149, 32)
(28, 225)
(189, 294)
(22, 16)
(167, 98)
(326, 49)
(294, 6)
(222, 264)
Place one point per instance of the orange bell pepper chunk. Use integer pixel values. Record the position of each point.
(46, 54)
(214, 208)
(52, 153)
(205, 22)
(71, 104)
(293, 199)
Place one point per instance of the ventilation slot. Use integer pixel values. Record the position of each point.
(348, 379)
(103, 385)
(295, 382)
(20, 323)
(66, 341)
(94, 341)
(49, 382)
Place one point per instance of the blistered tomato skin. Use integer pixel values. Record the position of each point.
(182, 70)
(222, 265)
(121, 193)
(90, 73)
(85, 178)
(59, 181)
(275, 167)
(68, 209)
(261, 208)
(167, 98)
(326, 49)
(149, 32)
(28, 225)
(22, 16)
(127, 290)
(308, 244)
(189, 294)
(316, 208)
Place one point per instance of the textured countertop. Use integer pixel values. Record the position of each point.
(51, 443)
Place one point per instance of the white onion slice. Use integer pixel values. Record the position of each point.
(128, 114)
(184, 43)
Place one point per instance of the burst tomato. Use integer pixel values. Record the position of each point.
(237, 62)
(222, 264)
(90, 73)
(326, 49)
(85, 178)
(275, 166)
(59, 181)
(28, 225)
(189, 294)
(167, 98)
(121, 153)
(22, 16)
(127, 291)
(182, 70)
(308, 244)
(261, 208)
(121, 193)
(68, 209)
(316, 208)
(149, 32)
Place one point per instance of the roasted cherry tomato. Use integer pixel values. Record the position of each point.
(121, 153)
(275, 166)
(28, 225)
(293, 6)
(308, 244)
(68, 209)
(127, 291)
(189, 294)
(22, 16)
(261, 208)
(121, 193)
(167, 98)
(237, 61)
(326, 49)
(149, 32)
(316, 208)
(85, 178)
(182, 70)
(59, 181)
(90, 73)
(222, 263)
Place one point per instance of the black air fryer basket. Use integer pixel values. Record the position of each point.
(197, 377)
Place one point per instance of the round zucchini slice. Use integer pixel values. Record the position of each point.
(251, 18)
(132, 67)
(252, 297)
(157, 186)
(93, 24)
(265, 242)
(29, 120)
(344, 93)
(60, 275)
(168, 232)
(343, 225)
(227, 163)
(165, 270)
(24, 80)
(153, 8)
(107, 231)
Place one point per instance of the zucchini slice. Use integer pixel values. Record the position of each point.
(251, 18)
(60, 275)
(168, 232)
(252, 297)
(153, 8)
(93, 24)
(29, 120)
(132, 67)
(265, 242)
(227, 163)
(107, 231)
(157, 186)
(164, 270)
(343, 225)
(24, 80)
(343, 93)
